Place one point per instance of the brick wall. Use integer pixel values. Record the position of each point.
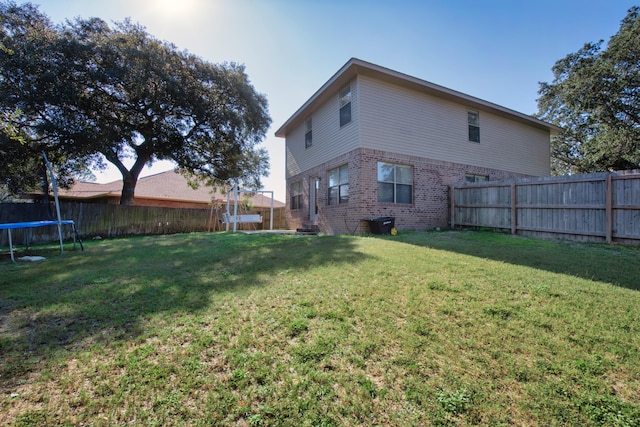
(430, 207)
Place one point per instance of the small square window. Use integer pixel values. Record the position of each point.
(395, 183)
(473, 119)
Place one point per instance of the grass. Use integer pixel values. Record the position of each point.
(442, 328)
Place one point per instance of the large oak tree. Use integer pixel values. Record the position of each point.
(595, 98)
(89, 92)
(24, 54)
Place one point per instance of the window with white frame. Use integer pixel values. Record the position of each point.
(345, 105)
(473, 119)
(395, 183)
(338, 185)
(308, 134)
(296, 195)
(471, 177)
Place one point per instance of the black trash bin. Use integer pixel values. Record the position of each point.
(381, 225)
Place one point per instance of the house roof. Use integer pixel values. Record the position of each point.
(170, 185)
(355, 67)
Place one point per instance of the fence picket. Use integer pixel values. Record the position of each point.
(94, 219)
(592, 207)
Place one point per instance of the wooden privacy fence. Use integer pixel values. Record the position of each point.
(104, 220)
(592, 207)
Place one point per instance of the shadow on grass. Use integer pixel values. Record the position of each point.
(617, 265)
(106, 293)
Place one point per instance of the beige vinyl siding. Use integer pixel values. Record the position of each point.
(329, 139)
(513, 146)
(397, 119)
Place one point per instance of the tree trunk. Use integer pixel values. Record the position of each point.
(129, 181)
(129, 177)
(128, 189)
(47, 211)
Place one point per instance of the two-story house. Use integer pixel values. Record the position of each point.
(374, 142)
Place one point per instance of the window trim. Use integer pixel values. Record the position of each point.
(341, 200)
(395, 182)
(473, 126)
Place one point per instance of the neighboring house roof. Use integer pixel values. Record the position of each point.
(356, 67)
(164, 186)
(91, 190)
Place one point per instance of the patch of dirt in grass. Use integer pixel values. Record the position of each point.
(24, 396)
(624, 387)
(15, 323)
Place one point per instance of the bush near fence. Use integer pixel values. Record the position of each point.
(93, 219)
(591, 207)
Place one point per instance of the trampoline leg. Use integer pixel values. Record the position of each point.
(76, 237)
(11, 246)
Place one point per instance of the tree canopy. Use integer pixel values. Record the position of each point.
(595, 98)
(21, 162)
(85, 92)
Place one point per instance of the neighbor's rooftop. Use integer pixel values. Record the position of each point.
(169, 185)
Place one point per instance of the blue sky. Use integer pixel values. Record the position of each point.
(495, 50)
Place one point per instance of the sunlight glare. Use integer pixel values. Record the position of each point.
(176, 9)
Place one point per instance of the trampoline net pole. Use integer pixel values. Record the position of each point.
(55, 198)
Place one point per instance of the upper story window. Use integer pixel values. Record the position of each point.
(345, 105)
(470, 177)
(473, 118)
(296, 195)
(339, 185)
(395, 183)
(308, 134)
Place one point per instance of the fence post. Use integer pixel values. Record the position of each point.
(609, 208)
(514, 212)
(452, 214)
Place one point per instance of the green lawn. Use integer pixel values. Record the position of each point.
(442, 328)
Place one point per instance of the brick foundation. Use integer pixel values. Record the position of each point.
(430, 207)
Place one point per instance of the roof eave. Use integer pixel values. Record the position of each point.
(340, 77)
(356, 66)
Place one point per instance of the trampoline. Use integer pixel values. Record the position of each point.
(59, 222)
(31, 224)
